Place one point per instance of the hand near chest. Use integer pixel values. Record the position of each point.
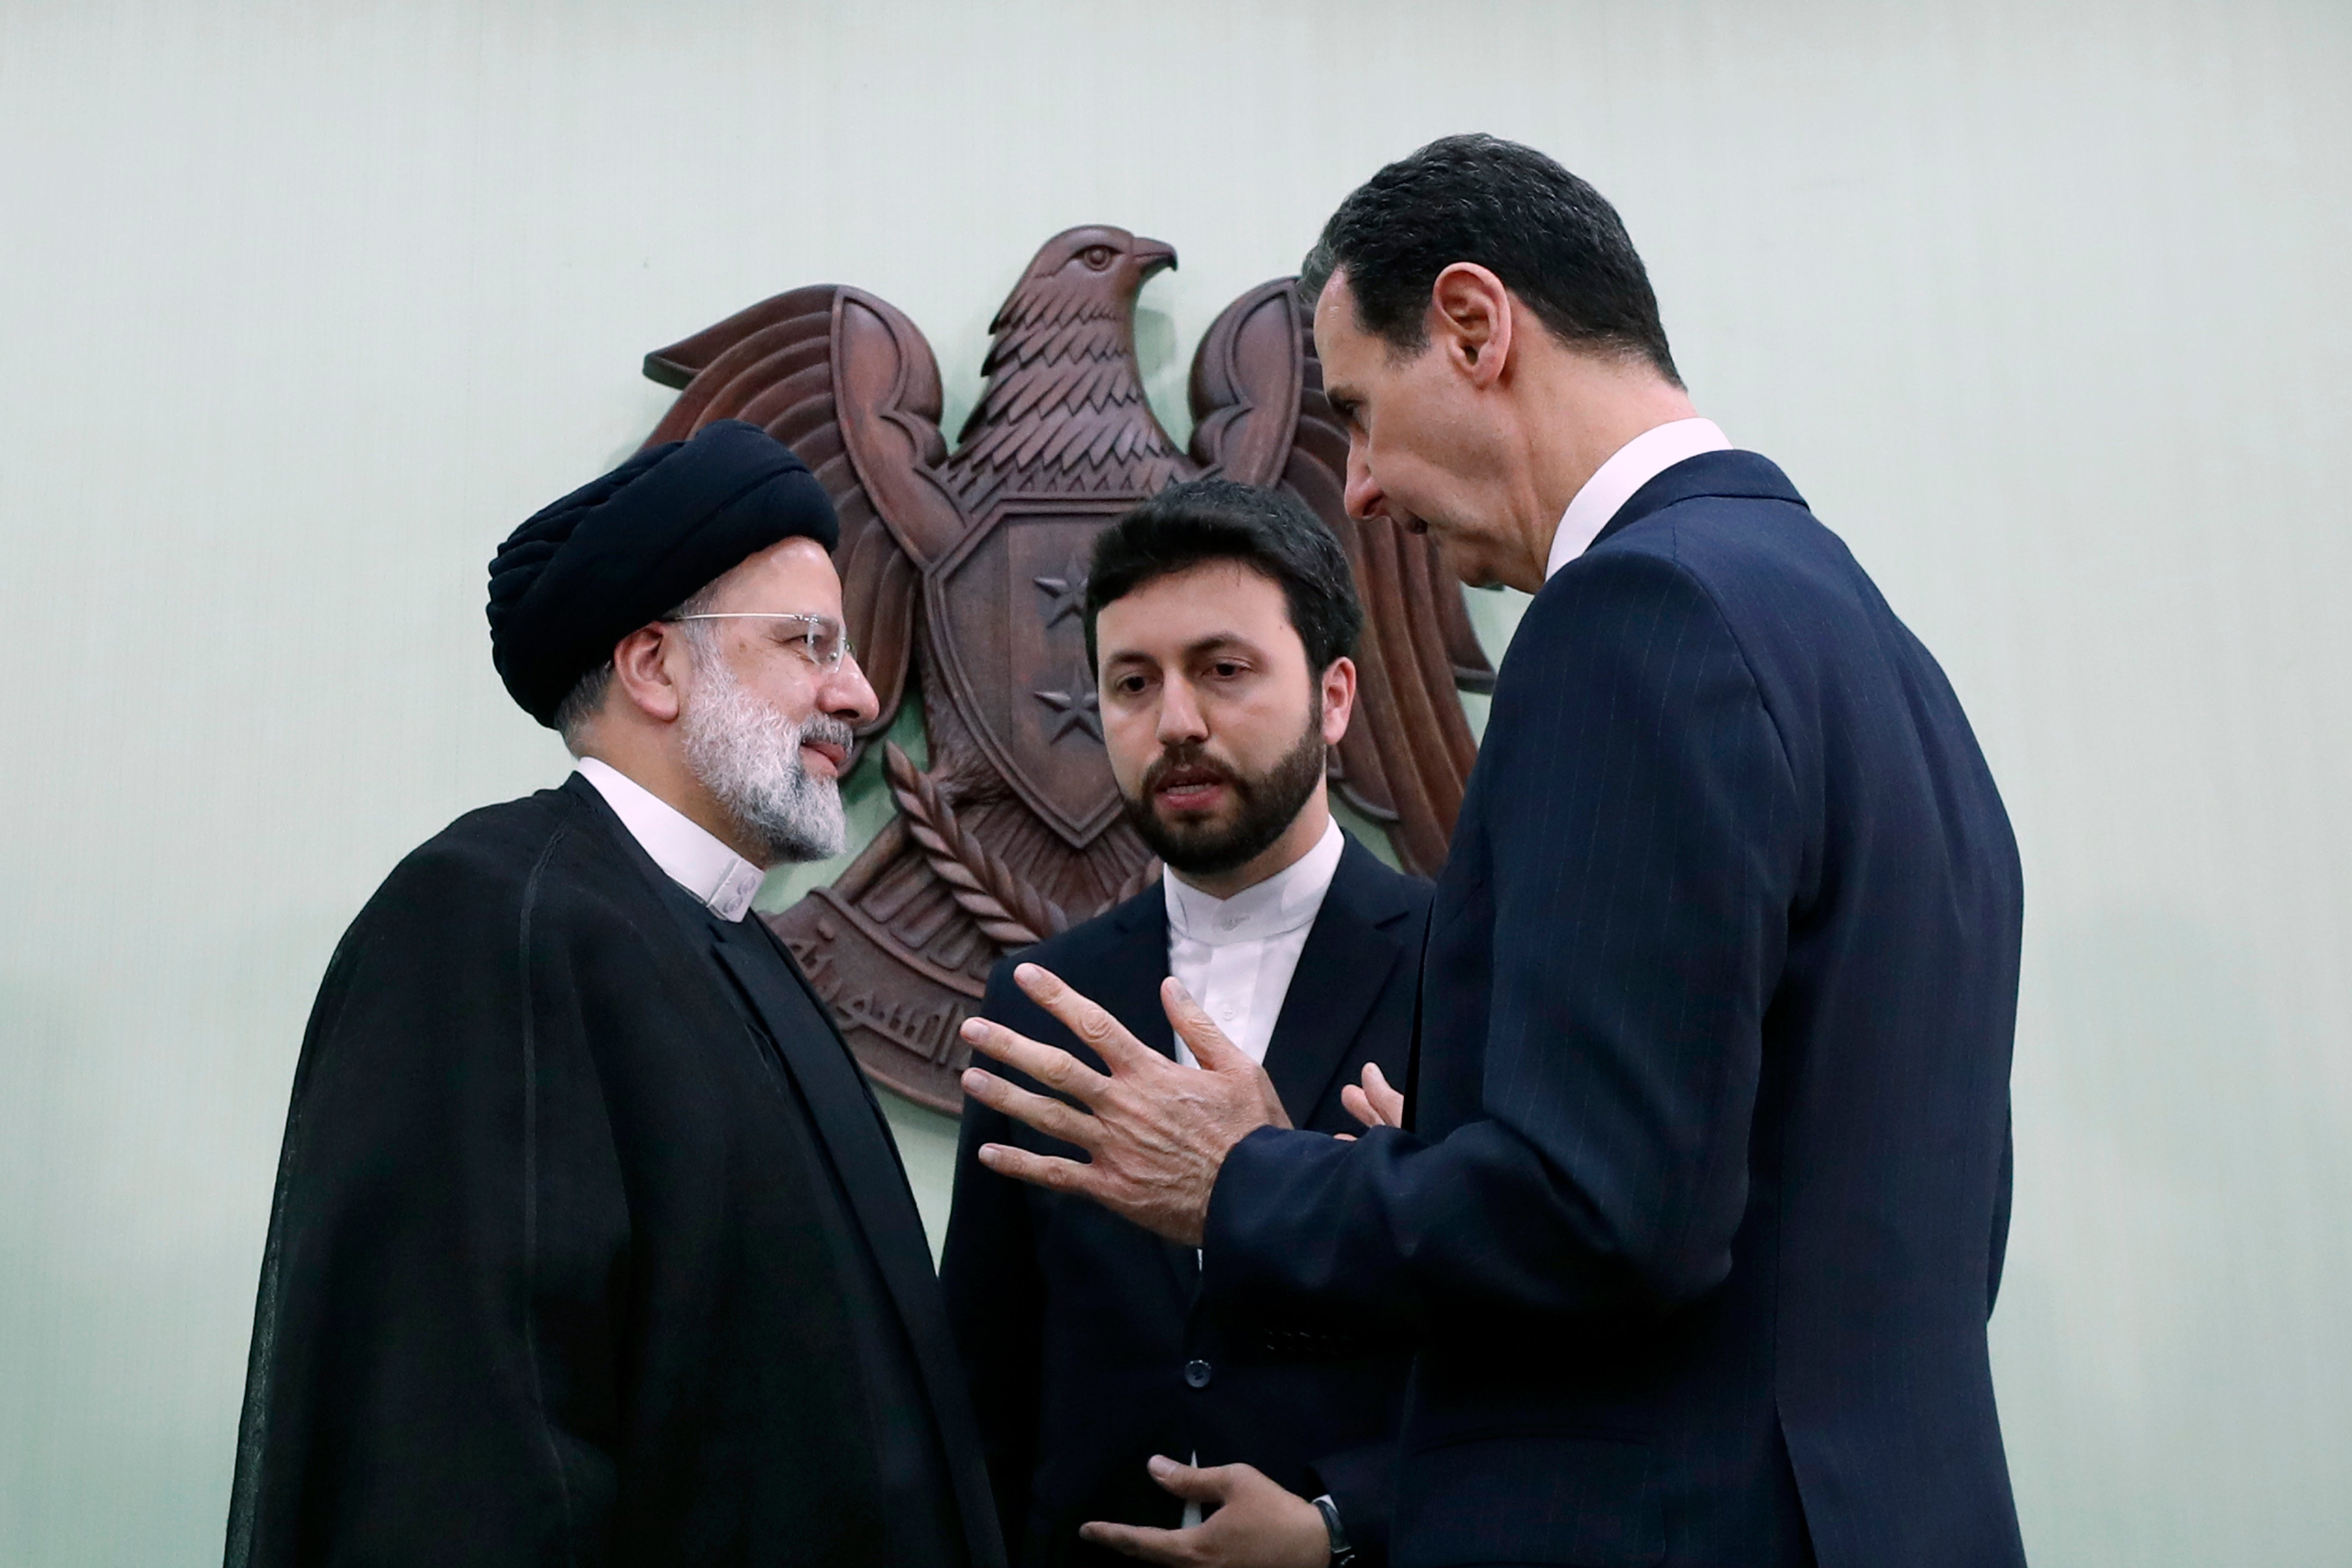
(1155, 1133)
(1255, 1523)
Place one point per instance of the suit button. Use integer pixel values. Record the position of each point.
(1197, 1373)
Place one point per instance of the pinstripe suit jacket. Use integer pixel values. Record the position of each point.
(1701, 1216)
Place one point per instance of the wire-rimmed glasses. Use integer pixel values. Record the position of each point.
(824, 641)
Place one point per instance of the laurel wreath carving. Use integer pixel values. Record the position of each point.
(1009, 912)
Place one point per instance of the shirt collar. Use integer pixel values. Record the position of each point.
(722, 880)
(1612, 484)
(1282, 903)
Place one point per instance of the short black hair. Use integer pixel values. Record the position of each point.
(1553, 240)
(1272, 532)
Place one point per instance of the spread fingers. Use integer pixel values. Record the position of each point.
(1038, 1170)
(1049, 1065)
(1047, 1115)
(1084, 1017)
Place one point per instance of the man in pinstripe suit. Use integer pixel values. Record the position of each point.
(1698, 1213)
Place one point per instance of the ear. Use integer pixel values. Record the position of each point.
(1470, 317)
(1339, 684)
(650, 666)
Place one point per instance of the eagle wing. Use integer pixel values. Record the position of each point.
(1261, 417)
(851, 386)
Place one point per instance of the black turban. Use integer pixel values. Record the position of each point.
(623, 551)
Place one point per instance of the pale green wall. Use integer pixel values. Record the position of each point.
(302, 306)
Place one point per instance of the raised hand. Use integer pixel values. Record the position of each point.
(1155, 1133)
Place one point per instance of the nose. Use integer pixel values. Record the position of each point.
(1179, 714)
(848, 696)
(1362, 497)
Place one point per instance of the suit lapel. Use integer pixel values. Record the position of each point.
(1128, 980)
(1128, 987)
(1341, 971)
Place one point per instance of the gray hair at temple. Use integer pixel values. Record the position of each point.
(586, 698)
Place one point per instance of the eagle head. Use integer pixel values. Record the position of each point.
(1090, 271)
(1064, 407)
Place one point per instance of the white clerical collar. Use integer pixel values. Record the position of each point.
(1283, 902)
(1612, 484)
(723, 880)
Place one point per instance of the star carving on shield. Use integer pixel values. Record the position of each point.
(1076, 706)
(1065, 595)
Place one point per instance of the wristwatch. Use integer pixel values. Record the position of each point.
(1342, 1555)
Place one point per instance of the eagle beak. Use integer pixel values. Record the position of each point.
(1151, 256)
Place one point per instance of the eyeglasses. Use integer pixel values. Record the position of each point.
(821, 639)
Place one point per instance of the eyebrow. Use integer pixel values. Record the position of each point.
(1215, 641)
(1197, 647)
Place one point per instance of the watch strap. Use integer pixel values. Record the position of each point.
(1342, 1555)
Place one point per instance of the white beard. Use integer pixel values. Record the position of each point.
(747, 756)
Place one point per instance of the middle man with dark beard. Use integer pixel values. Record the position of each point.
(1220, 618)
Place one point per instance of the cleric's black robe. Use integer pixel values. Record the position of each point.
(589, 1245)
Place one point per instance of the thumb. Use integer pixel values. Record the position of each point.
(1385, 1099)
(1219, 1055)
(1190, 1482)
(1198, 1030)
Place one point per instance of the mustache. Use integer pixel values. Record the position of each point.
(1187, 765)
(825, 727)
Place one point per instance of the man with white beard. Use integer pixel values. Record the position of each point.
(589, 1244)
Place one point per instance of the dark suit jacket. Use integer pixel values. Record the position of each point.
(589, 1245)
(1081, 1332)
(1703, 1210)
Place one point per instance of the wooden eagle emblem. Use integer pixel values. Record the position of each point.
(964, 576)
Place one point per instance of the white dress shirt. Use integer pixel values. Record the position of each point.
(1612, 484)
(722, 879)
(1236, 956)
